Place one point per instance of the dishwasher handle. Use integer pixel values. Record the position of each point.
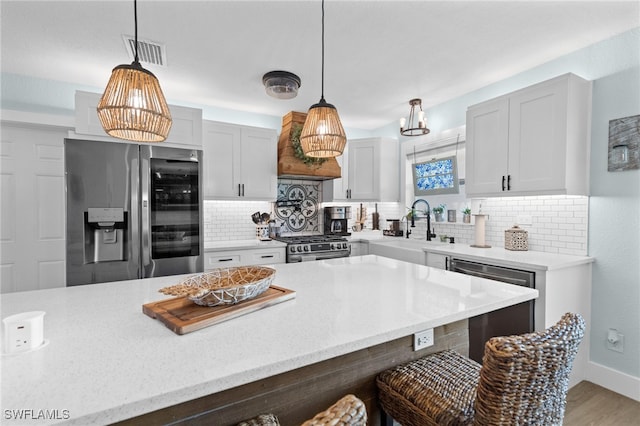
(492, 272)
(510, 280)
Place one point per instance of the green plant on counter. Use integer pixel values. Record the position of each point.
(466, 210)
(439, 209)
(296, 131)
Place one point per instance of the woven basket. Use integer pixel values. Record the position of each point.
(224, 286)
(348, 411)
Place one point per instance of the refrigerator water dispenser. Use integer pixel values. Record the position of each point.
(104, 234)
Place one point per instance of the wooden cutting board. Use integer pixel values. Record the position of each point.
(183, 316)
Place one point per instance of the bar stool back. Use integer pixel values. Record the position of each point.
(524, 379)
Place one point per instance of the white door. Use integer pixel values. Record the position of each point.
(487, 147)
(32, 231)
(364, 170)
(537, 137)
(221, 161)
(341, 185)
(259, 164)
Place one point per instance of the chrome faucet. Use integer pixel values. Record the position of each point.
(413, 215)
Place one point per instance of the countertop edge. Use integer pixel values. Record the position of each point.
(565, 263)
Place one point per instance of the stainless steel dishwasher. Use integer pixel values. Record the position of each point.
(516, 319)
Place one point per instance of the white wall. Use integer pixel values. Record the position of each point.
(614, 231)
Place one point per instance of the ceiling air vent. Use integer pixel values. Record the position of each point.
(149, 51)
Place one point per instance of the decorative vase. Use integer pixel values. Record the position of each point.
(439, 217)
(466, 218)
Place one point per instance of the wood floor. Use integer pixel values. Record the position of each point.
(592, 405)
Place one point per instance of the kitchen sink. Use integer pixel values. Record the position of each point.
(409, 250)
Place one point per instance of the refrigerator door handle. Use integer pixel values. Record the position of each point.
(134, 220)
(145, 228)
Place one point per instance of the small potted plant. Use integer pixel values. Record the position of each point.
(438, 212)
(466, 215)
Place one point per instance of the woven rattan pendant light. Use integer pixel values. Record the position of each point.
(133, 106)
(322, 134)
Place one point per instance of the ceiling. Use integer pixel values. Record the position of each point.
(378, 54)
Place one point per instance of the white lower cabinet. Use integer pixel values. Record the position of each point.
(226, 259)
(359, 248)
(436, 260)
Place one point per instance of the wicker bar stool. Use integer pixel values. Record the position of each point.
(347, 411)
(523, 380)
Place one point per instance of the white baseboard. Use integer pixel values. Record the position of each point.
(614, 380)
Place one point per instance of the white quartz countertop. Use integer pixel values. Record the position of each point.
(242, 245)
(494, 255)
(107, 361)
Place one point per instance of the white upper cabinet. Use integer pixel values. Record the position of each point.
(239, 162)
(186, 123)
(534, 141)
(370, 172)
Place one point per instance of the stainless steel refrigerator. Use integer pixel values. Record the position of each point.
(133, 211)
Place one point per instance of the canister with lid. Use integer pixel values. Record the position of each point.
(516, 239)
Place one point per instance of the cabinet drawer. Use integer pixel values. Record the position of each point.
(221, 260)
(263, 257)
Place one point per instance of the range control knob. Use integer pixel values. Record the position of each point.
(292, 249)
(299, 249)
(306, 248)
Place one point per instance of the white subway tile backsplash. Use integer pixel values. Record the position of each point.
(559, 223)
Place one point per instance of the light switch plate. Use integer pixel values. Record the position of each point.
(524, 219)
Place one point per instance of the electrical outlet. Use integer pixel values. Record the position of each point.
(23, 332)
(615, 340)
(18, 337)
(524, 219)
(423, 339)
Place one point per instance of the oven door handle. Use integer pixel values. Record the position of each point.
(515, 281)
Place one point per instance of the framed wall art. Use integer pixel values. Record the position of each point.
(624, 144)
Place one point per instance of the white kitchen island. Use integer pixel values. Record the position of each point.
(106, 361)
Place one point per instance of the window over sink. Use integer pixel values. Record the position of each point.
(437, 176)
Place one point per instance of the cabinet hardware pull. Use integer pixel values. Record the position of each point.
(243, 189)
(266, 256)
(239, 191)
(503, 180)
(225, 260)
(509, 183)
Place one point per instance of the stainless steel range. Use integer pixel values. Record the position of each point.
(315, 247)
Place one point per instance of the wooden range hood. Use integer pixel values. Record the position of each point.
(291, 167)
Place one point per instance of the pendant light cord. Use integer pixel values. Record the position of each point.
(135, 24)
(322, 75)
